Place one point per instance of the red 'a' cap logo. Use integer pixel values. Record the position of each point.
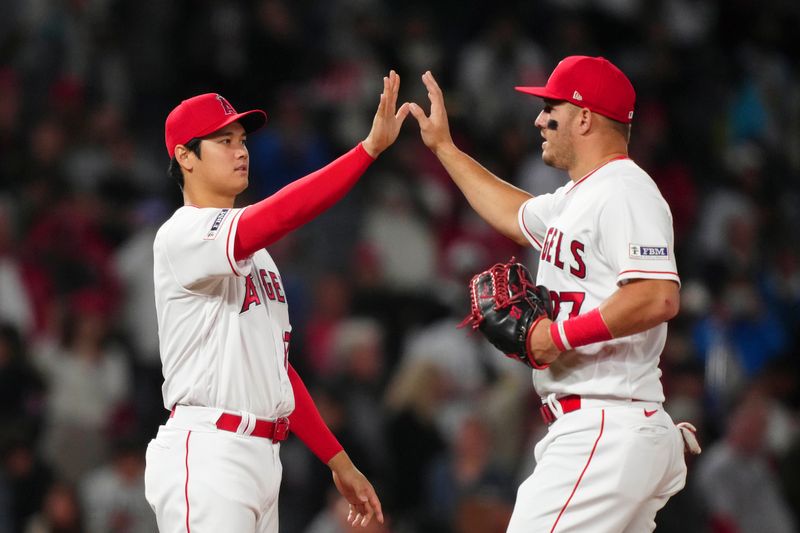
(227, 108)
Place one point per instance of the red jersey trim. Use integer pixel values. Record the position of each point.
(228, 242)
(525, 227)
(595, 170)
(575, 488)
(649, 272)
(186, 486)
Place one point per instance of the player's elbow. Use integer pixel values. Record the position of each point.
(669, 306)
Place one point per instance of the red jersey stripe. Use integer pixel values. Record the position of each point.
(648, 272)
(529, 232)
(595, 170)
(228, 242)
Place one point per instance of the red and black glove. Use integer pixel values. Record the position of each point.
(506, 305)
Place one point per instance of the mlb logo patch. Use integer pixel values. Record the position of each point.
(212, 232)
(638, 251)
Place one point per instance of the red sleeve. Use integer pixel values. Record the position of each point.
(307, 424)
(265, 222)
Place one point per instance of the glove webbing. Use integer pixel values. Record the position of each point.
(500, 288)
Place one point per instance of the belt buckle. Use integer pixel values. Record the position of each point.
(281, 429)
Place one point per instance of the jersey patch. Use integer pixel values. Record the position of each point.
(638, 251)
(214, 230)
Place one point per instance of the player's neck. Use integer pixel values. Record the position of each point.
(592, 153)
(588, 166)
(206, 199)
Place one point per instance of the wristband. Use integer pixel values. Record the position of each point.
(579, 331)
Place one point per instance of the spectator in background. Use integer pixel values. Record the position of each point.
(467, 470)
(736, 341)
(15, 302)
(61, 512)
(358, 370)
(400, 238)
(25, 475)
(330, 308)
(501, 57)
(736, 478)
(21, 387)
(113, 494)
(12, 146)
(413, 398)
(88, 383)
(52, 268)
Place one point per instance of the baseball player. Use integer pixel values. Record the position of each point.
(224, 328)
(612, 456)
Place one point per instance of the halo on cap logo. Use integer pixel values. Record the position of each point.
(227, 108)
(577, 96)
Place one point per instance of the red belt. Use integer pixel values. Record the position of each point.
(568, 404)
(277, 430)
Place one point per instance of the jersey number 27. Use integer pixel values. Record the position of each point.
(287, 336)
(572, 297)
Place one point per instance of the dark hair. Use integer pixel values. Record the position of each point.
(175, 169)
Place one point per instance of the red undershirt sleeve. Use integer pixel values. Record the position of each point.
(307, 423)
(265, 222)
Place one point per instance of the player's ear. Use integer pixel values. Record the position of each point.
(584, 119)
(182, 157)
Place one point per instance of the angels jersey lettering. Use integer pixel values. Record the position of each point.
(223, 325)
(608, 228)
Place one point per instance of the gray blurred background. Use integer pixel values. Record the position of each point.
(442, 424)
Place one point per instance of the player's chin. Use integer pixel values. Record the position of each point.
(240, 183)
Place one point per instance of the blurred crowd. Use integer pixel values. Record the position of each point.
(441, 423)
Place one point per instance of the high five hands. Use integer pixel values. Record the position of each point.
(434, 128)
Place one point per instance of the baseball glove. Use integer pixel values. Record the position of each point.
(506, 305)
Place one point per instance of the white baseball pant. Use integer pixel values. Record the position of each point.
(607, 467)
(199, 479)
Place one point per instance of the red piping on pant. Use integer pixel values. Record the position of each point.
(575, 488)
(186, 486)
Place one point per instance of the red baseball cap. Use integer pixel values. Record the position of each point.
(591, 82)
(204, 114)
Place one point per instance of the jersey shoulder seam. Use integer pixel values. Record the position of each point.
(167, 226)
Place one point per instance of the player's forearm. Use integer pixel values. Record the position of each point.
(640, 305)
(306, 422)
(340, 462)
(633, 308)
(301, 201)
(495, 200)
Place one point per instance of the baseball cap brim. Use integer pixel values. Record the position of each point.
(541, 92)
(251, 121)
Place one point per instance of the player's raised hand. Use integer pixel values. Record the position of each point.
(356, 489)
(388, 119)
(435, 128)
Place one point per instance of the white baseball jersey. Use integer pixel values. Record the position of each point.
(223, 325)
(597, 233)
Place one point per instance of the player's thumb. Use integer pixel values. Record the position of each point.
(402, 113)
(417, 111)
